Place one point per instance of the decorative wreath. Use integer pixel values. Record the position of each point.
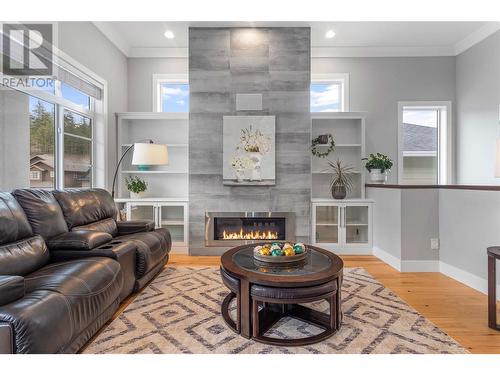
(314, 147)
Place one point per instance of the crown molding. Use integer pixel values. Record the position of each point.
(114, 37)
(318, 52)
(476, 37)
(171, 52)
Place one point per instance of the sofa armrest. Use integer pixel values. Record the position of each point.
(136, 226)
(11, 289)
(79, 240)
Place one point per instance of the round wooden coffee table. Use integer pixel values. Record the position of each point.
(265, 293)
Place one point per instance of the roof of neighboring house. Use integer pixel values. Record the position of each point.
(45, 162)
(419, 138)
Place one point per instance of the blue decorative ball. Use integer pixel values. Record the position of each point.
(298, 249)
(277, 252)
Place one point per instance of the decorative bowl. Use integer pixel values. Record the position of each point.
(295, 253)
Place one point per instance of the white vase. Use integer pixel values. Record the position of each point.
(240, 174)
(256, 172)
(377, 176)
(136, 195)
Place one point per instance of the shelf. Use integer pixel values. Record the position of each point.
(342, 145)
(172, 222)
(356, 224)
(347, 200)
(166, 144)
(156, 172)
(326, 172)
(152, 199)
(327, 224)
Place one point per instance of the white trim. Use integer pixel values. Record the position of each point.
(466, 278)
(343, 78)
(476, 37)
(448, 131)
(114, 37)
(420, 266)
(161, 52)
(158, 79)
(325, 52)
(387, 258)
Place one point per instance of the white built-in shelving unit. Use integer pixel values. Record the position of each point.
(166, 199)
(343, 226)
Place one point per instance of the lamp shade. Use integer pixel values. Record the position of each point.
(149, 154)
(497, 159)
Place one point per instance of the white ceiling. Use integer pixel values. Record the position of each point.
(145, 39)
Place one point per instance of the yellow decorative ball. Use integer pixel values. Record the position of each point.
(264, 251)
(289, 251)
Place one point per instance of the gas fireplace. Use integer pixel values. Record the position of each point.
(236, 228)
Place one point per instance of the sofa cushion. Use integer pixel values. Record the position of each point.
(13, 221)
(24, 256)
(90, 286)
(85, 206)
(79, 240)
(41, 322)
(152, 248)
(11, 289)
(106, 225)
(44, 213)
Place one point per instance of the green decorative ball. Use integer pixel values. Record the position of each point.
(298, 249)
(277, 253)
(276, 244)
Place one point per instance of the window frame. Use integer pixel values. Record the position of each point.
(158, 80)
(61, 104)
(343, 79)
(445, 139)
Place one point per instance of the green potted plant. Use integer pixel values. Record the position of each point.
(136, 186)
(341, 182)
(378, 165)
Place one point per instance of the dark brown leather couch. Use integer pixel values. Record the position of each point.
(66, 264)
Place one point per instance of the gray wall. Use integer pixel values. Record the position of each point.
(478, 100)
(378, 83)
(223, 62)
(86, 44)
(140, 79)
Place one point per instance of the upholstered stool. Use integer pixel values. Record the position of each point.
(270, 304)
(233, 285)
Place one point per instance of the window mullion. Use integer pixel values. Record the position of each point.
(59, 162)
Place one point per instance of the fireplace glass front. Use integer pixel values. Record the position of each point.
(249, 228)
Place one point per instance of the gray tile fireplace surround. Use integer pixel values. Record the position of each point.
(223, 62)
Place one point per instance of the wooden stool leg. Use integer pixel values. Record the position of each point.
(492, 295)
(333, 311)
(238, 312)
(255, 318)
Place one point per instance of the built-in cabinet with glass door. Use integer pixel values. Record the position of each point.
(342, 226)
(169, 215)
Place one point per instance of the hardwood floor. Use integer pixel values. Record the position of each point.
(457, 309)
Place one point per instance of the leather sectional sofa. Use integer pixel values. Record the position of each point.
(66, 264)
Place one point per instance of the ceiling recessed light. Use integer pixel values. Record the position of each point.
(330, 34)
(169, 34)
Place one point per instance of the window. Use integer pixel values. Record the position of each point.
(171, 93)
(59, 151)
(330, 93)
(35, 175)
(424, 143)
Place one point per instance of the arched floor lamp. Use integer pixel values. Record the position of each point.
(144, 155)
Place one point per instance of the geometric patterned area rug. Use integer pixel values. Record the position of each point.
(179, 312)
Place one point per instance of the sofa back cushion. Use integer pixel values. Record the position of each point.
(14, 224)
(106, 225)
(43, 212)
(85, 206)
(24, 256)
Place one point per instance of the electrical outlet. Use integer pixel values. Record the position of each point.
(434, 243)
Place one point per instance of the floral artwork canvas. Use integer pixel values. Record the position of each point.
(249, 150)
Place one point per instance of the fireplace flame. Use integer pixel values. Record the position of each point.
(252, 235)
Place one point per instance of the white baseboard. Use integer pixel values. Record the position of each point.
(385, 257)
(420, 266)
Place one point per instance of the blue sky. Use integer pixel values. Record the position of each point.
(68, 92)
(175, 97)
(325, 97)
